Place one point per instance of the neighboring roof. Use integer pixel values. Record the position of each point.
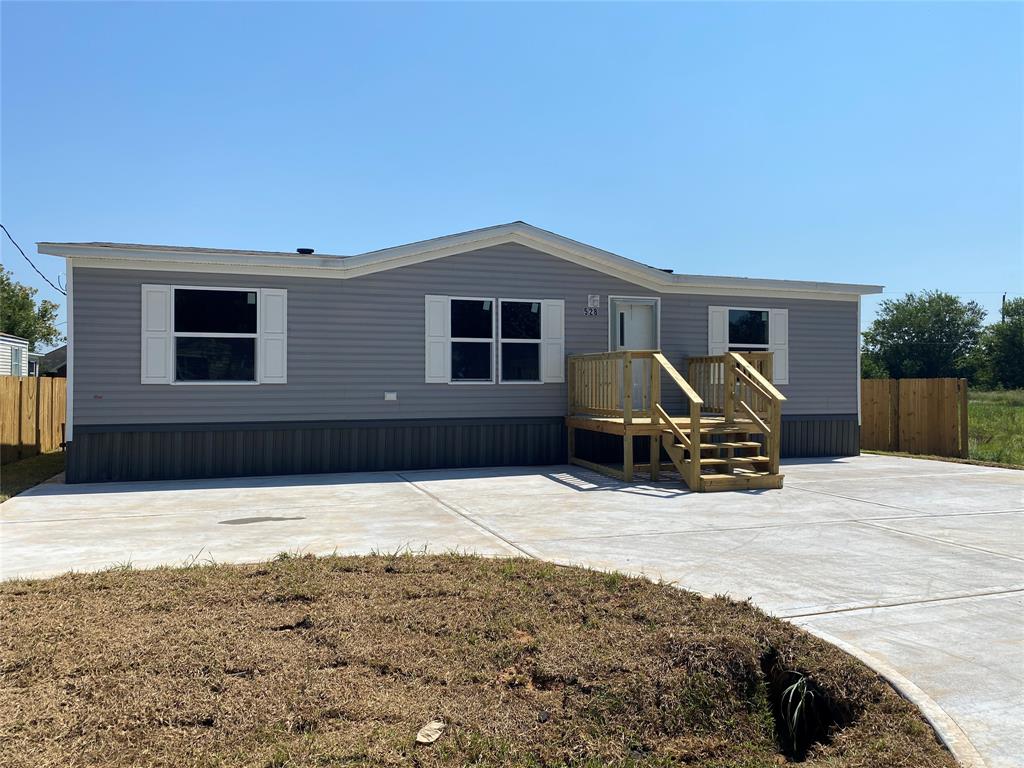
(275, 262)
(12, 338)
(55, 359)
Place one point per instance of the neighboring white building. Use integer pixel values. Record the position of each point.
(13, 355)
(35, 362)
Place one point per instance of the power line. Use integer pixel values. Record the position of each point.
(58, 290)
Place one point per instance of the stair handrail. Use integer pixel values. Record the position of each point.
(742, 375)
(757, 419)
(755, 374)
(682, 383)
(760, 384)
(671, 425)
(696, 401)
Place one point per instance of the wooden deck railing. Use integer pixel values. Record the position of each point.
(627, 384)
(609, 384)
(739, 386)
(707, 374)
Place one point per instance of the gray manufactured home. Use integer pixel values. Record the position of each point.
(508, 345)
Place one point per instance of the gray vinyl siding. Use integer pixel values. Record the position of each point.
(350, 340)
(7, 352)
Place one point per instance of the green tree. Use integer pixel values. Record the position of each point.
(1003, 347)
(870, 368)
(923, 336)
(20, 315)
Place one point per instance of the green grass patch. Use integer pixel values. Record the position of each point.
(995, 425)
(21, 475)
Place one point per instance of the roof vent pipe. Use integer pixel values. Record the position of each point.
(304, 251)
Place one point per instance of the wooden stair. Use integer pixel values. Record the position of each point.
(726, 438)
(734, 463)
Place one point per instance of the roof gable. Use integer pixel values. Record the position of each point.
(269, 262)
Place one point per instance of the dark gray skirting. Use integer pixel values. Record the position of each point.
(178, 451)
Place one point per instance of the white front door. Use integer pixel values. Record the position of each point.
(635, 326)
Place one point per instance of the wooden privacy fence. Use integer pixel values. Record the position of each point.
(32, 414)
(925, 416)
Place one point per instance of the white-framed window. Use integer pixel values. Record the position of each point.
(751, 329)
(519, 341)
(473, 322)
(16, 361)
(484, 340)
(213, 335)
(748, 330)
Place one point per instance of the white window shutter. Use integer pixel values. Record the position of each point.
(552, 329)
(438, 350)
(778, 343)
(718, 330)
(273, 351)
(157, 339)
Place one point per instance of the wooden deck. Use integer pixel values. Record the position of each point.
(728, 441)
(645, 425)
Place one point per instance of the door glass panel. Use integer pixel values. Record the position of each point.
(634, 324)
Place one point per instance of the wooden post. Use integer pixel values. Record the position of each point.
(695, 452)
(655, 418)
(627, 388)
(775, 437)
(965, 444)
(729, 387)
(655, 390)
(571, 390)
(655, 457)
(572, 443)
(627, 457)
(894, 415)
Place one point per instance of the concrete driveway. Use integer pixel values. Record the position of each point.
(915, 566)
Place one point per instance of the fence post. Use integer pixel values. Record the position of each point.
(31, 416)
(894, 415)
(965, 444)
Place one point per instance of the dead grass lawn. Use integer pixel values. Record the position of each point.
(339, 661)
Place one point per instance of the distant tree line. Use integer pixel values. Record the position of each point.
(935, 334)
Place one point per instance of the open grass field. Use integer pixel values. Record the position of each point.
(22, 475)
(340, 661)
(996, 426)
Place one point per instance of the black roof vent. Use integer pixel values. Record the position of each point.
(304, 251)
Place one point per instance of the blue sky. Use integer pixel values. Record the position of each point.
(877, 143)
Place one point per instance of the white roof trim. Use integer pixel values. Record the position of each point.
(269, 262)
